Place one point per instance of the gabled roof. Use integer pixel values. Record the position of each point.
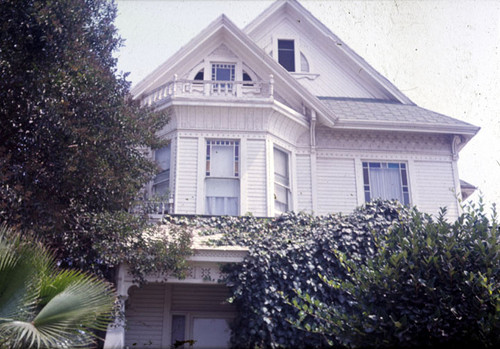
(376, 114)
(328, 40)
(223, 30)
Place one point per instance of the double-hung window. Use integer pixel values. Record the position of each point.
(222, 184)
(386, 180)
(161, 182)
(223, 72)
(282, 193)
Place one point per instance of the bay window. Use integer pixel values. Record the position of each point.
(386, 180)
(282, 193)
(222, 184)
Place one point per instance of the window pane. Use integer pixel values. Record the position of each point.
(281, 167)
(161, 189)
(221, 164)
(222, 196)
(285, 45)
(178, 328)
(286, 54)
(385, 184)
(211, 333)
(162, 157)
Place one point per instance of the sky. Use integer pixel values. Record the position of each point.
(444, 55)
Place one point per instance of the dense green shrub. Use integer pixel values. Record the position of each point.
(383, 276)
(429, 284)
(288, 253)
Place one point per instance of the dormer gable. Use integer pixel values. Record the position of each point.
(324, 64)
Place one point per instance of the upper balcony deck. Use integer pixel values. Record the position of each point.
(227, 90)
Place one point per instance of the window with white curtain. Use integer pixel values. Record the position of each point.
(222, 184)
(282, 193)
(386, 180)
(161, 182)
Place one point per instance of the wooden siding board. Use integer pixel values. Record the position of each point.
(336, 185)
(256, 177)
(435, 187)
(145, 316)
(201, 298)
(304, 183)
(187, 178)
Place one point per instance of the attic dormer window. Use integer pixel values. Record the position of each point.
(286, 54)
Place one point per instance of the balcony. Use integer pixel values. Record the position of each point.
(210, 89)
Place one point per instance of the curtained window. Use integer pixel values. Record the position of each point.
(386, 180)
(222, 184)
(282, 194)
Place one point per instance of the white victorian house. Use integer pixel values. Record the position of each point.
(279, 116)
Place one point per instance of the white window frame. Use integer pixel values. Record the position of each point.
(404, 179)
(235, 176)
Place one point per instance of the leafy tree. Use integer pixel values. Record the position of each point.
(71, 160)
(42, 306)
(430, 284)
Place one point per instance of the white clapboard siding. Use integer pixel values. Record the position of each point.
(336, 185)
(187, 162)
(145, 316)
(201, 298)
(256, 177)
(304, 183)
(435, 187)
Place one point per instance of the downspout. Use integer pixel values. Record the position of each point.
(312, 142)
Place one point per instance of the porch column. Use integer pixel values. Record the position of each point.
(115, 335)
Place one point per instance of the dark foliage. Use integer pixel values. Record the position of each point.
(71, 136)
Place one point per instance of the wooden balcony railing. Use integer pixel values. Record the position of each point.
(212, 89)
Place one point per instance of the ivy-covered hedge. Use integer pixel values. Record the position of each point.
(288, 253)
(383, 276)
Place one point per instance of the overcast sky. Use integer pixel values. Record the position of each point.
(444, 55)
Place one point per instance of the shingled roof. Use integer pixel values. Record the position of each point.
(381, 114)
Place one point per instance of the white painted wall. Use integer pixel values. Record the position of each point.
(336, 180)
(186, 176)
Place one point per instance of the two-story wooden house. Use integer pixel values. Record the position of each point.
(279, 116)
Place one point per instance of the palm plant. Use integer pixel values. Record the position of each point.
(42, 306)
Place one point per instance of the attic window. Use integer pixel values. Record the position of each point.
(304, 64)
(286, 54)
(199, 75)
